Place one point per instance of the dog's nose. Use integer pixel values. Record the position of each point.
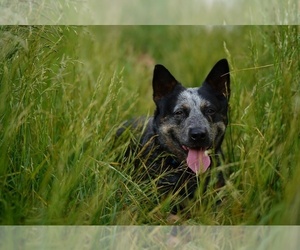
(197, 134)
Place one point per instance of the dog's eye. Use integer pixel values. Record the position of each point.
(210, 111)
(179, 113)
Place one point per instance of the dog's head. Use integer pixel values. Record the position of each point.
(191, 121)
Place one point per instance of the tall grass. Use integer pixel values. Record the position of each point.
(65, 90)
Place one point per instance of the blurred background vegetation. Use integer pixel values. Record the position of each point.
(64, 90)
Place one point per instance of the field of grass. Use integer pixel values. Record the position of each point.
(65, 90)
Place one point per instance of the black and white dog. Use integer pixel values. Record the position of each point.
(183, 139)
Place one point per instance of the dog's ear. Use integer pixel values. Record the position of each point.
(219, 78)
(163, 82)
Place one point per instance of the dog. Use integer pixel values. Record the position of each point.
(183, 139)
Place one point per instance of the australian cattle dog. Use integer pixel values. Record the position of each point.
(183, 139)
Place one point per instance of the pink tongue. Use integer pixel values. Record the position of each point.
(197, 160)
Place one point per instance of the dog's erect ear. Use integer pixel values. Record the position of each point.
(163, 82)
(219, 78)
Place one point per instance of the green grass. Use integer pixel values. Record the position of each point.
(65, 90)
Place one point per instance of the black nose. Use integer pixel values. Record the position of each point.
(197, 134)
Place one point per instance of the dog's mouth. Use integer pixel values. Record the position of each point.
(197, 159)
